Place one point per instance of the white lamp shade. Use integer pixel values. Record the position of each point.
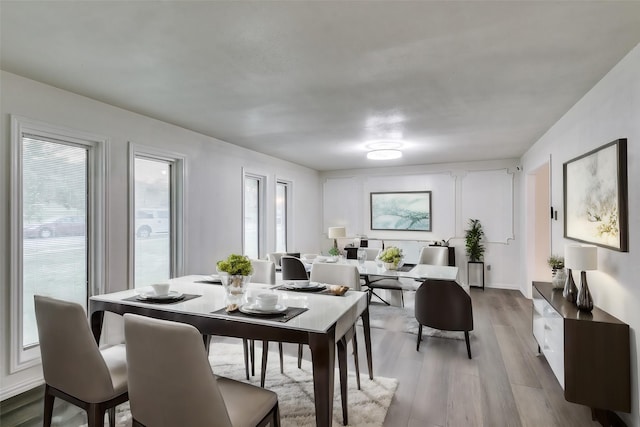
(581, 258)
(336, 232)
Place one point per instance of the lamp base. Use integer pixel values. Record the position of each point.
(570, 291)
(584, 300)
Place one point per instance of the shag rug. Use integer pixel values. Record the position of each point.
(367, 407)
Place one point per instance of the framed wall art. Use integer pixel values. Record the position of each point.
(401, 211)
(595, 197)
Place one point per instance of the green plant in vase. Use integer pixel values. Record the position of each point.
(391, 256)
(237, 271)
(558, 275)
(334, 251)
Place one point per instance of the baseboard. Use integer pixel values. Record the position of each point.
(22, 387)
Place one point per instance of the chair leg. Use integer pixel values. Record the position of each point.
(342, 363)
(355, 358)
(252, 356)
(245, 349)
(281, 358)
(111, 412)
(276, 416)
(299, 356)
(419, 336)
(95, 415)
(265, 352)
(466, 338)
(48, 407)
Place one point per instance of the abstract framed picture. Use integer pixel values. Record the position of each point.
(596, 199)
(401, 211)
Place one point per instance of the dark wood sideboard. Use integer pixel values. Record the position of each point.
(588, 352)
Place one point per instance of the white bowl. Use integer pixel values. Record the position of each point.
(266, 301)
(321, 258)
(298, 283)
(161, 289)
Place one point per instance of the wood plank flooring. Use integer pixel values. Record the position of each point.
(505, 384)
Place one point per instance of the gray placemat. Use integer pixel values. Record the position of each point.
(283, 317)
(185, 297)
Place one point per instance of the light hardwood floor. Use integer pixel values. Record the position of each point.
(505, 384)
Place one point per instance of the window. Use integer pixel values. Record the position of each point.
(253, 232)
(56, 215)
(282, 215)
(156, 216)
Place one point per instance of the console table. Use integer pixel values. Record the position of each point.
(589, 353)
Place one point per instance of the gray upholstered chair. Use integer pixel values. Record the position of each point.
(75, 369)
(171, 382)
(275, 257)
(434, 255)
(293, 268)
(444, 305)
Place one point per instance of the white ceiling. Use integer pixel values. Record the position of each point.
(313, 82)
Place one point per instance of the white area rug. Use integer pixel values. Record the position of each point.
(367, 407)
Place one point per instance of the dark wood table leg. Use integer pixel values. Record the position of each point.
(97, 318)
(342, 363)
(323, 349)
(265, 353)
(366, 326)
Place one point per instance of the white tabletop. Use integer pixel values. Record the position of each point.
(324, 310)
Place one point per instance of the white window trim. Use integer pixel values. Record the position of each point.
(178, 205)
(289, 207)
(262, 186)
(96, 146)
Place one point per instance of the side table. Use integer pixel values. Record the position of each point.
(469, 270)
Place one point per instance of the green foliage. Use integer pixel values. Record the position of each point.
(472, 239)
(334, 251)
(556, 262)
(391, 254)
(236, 265)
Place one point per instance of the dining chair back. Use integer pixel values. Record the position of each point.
(172, 384)
(434, 255)
(293, 268)
(275, 257)
(74, 368)
(263, 272)
(336, 274)
(372, 253)
(444, 305)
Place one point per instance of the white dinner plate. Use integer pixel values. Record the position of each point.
(330, 260)
(254, 309)
(170, 295)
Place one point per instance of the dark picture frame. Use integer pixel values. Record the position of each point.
(596, 197)
(401, 211)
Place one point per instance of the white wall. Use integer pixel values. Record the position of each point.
(213, 222)
(611, 110)
(483, 190)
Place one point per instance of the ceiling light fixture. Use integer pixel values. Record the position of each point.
(384, 154)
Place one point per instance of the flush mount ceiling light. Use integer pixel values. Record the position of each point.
(384, 150)
(384, 154)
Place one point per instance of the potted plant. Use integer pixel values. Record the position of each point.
(235, 274)
(556, 262)
(472, 240)
(391, 257)
(334, 251)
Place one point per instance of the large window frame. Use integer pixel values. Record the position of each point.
(22, 357)
(288, 209)
(177, 184)
(262, 181)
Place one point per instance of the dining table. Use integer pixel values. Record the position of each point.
(320, 320)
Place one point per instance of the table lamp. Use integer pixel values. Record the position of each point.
(582, 258)
(335, 233)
